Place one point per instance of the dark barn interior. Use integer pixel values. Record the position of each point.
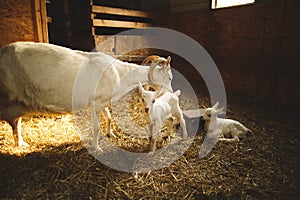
(256, 48)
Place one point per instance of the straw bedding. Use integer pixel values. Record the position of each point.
(58, 166)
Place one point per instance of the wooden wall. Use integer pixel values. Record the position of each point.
(256, 47)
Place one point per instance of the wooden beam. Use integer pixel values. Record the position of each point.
(44, 21)
(119, 24)
(40, 17)
(120, 11)
(38, 21)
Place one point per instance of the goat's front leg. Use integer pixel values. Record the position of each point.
(12, 115)
(96, 122)
(17, 134)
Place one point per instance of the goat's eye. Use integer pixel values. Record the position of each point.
(170, 78)
(209, 115)
(153, 101)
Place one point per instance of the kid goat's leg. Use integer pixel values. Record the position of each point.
(182, 123)
(154, 134)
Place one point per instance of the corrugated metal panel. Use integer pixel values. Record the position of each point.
(177, 6)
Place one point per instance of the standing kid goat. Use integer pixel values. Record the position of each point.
(161, 108)
(230, 130)
(148, 61)
(39, 78)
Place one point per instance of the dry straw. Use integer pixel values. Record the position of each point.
(57, 166)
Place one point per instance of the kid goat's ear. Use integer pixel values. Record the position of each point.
(168, 62)
(220, 110)
(141, 89)
(216, 106)
(159, 91)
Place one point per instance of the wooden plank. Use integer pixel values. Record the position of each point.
(38, 21)
(44, 21)
(40, 17)
(120, 11)
(119, 24)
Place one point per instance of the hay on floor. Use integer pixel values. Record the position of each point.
(57, 165)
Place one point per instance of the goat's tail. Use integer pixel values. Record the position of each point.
(177, 93)
(250, 132)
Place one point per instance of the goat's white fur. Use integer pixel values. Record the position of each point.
(162, 108)
(38, 78)
(227, 127)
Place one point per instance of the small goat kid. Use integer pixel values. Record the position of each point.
(39, 78)
(161, 108)
(147, 61)
(231, 130)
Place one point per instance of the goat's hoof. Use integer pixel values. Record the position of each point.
(97, 148)
(23, 144)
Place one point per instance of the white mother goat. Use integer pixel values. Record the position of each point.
(39, 78)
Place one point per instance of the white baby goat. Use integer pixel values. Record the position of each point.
(231, 130)
(148, 61)
(39, 78)
(161, 108)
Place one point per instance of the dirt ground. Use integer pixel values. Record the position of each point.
(58, 166)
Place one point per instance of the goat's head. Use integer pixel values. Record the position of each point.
(148, 96)
(160, 71)
(212, 112)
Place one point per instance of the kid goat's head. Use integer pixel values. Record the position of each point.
(148, 96)
(212, 112)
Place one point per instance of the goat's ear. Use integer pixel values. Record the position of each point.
(158, 91)
(141, 89)
(216, 106)
(168, 62)
(220, 111)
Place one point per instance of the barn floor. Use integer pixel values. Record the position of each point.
(57, 165)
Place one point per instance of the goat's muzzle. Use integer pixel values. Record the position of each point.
(146, 110)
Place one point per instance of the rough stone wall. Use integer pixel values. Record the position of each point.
(256, 47)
